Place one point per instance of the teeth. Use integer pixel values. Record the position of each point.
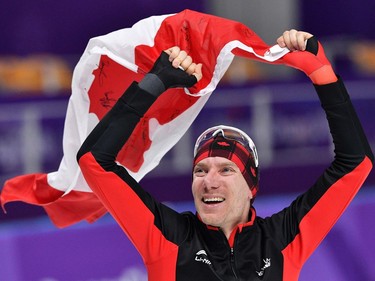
(214, 199)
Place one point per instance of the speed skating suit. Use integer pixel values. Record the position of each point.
(179, 246)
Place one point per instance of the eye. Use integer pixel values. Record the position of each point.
(199, 171)
(227, 170)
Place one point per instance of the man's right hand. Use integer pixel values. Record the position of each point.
(176, 69)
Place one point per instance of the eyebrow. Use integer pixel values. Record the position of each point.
(229, 163)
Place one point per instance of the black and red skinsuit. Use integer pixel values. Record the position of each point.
(179, 246)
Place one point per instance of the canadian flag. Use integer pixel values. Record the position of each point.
(107, 67)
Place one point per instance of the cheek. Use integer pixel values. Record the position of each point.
(243, 191)
(195, 186)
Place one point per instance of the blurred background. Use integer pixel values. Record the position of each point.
(42, 41)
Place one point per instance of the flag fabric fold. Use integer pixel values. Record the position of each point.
(107, 67)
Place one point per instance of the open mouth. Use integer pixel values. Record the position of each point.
(213, 200)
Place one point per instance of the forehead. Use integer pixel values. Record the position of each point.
(216, 161)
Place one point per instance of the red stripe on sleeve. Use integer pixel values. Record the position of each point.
(131, 214)
(321, 218)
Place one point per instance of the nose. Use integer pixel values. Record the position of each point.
(211, 180)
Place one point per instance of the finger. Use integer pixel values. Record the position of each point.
(286, 39)
(289, 38)
(173, 52)
(301, 42)
(191, 69)
(302, 37)
(179, 59)
(293, 39)
(280, 41)
(185, 64)
(198, 71)
(168, 51)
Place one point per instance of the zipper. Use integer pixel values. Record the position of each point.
(232, 265)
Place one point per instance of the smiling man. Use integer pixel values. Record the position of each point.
(225, 240)
(225, 177)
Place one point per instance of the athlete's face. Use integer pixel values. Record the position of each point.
(221, 194)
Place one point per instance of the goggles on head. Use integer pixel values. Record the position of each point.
(229, 133)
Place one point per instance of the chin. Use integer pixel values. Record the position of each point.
(210, 219)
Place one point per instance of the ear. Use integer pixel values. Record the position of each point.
(250, 194)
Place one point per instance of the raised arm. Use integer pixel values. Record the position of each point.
(311, 216)
(154, 229)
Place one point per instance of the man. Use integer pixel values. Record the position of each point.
(225, 240)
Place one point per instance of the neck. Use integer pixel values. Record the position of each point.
(230, 231)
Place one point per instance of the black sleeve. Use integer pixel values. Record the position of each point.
(122, 119)
(303, 225)
(154, 229)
